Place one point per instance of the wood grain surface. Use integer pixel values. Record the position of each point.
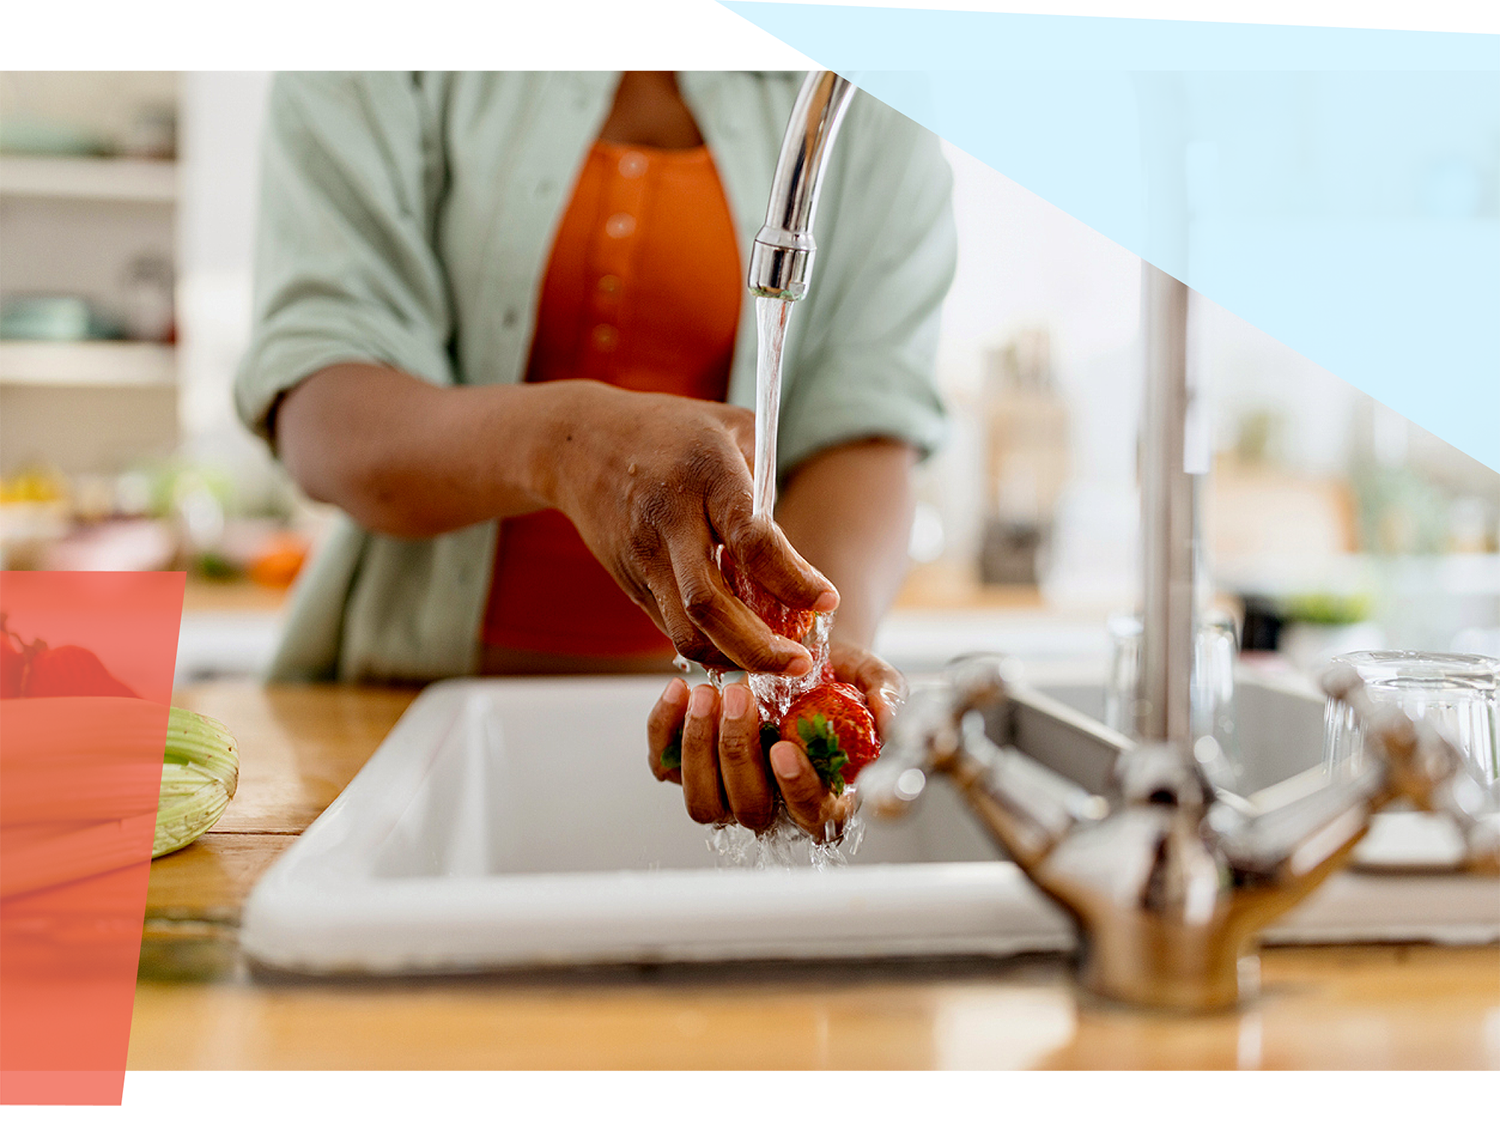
(199, 1007)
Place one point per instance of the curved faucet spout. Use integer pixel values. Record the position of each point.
(781, 257)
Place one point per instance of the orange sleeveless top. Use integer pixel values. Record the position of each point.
(642, 291)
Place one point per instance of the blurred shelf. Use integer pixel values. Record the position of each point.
(229, 629)
(945, 585)
(233, 596)
(89, 178)
(88, 364)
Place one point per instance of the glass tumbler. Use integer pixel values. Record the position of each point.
(1212, 689)
(1458, 694)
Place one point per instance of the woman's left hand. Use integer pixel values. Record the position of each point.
(727, 777)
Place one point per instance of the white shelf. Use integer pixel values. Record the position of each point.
(88, 364)
(89, 178)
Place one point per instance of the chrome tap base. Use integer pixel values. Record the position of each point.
(1168, 878)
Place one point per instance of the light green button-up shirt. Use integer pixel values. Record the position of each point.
(406, 220)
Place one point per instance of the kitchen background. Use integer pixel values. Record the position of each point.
(127, 205)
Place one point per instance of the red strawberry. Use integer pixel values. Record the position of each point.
(832, 722)
(794, 624)
(71, 670)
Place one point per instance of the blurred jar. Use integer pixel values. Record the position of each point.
(1212, 690)
(152, 134)
(149, 308)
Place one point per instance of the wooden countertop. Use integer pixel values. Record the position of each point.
(197, 1006)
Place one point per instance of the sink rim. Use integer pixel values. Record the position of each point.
(322, 909)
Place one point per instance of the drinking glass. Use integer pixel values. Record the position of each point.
(1458, 694)
(1212, 689)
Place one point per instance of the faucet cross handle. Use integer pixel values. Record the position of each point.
(1170, 880)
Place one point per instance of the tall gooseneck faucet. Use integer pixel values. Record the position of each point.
(782, 255)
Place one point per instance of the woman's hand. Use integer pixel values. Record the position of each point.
(653, 483)
(725, 775)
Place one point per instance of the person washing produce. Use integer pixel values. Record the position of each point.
(501, 322)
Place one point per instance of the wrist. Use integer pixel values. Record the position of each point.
(557, 453)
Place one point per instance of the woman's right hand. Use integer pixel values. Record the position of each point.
(653, 482)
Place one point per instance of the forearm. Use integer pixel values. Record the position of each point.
(413, 460)
(848, 510)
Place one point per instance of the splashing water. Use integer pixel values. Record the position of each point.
(775, 693)
(688, 668)
(784, 844)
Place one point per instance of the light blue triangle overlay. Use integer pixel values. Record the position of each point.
(1338, 188)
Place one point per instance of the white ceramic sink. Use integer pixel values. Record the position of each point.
(513, 822)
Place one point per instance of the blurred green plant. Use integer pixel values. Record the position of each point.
(1328, 608)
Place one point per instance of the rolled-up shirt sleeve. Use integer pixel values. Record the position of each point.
(345, 266)
(867, 346)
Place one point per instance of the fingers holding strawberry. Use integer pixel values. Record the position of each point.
(780, 618)
(883, 687)
(710, 743)
(732, 764)
(654, 484)
(664, 732)
(836, 731)
(829, 734)
(743, 775)
(810, 802)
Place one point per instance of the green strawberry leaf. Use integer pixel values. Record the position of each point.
(671, 757)
(823, 751)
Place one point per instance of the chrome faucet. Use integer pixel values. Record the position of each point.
(782, 255)
(1167, 877)
(1168, 882)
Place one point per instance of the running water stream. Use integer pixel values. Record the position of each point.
(775, 693)
(771, 316)
(783, 844)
